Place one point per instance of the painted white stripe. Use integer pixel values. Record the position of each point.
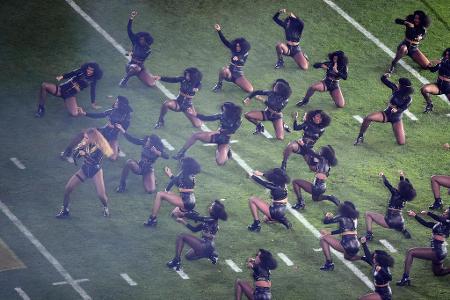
(236, 157)
(388, 246)
(358, 118)
(377, 42)
(211, 144)
(167, 145)
(448, 115)
(286, 259)
(51, 259)
(17, 163)
(128, 279)
(233, 265)
(410, 115)
(182, 274)
(65, 282)
(22, 294)
(267, 134)
(317, 249)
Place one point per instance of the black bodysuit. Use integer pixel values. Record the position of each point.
(187, 91)
(93, 157)
(261, 273)
(278, 193)
(394, 218)
(331, 80)
(226, 129)
(381, 277)
(444, 70)
(441, 228)
(349, 242)
(275, 104)
(114, 116)
(184, 181)
(236, 66)
(397, 101)
(291, 34)
(413, 34)
(209, 228)
(77, 81)
(311, 134)
(139, 53)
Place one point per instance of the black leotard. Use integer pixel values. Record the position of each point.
(277, 192)
(441, 228)
(114, 116)
(139, 52)
(380, 277)
(274, 101)
(292, 34)
(349, 242)
(416, 33)
(397, 100)
(78, 80)
(444, 70)
(241, 56)
(93, 157)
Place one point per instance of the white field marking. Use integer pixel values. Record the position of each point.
(167, 145)
(51, 259)
(358, 118)
(128, 279)
(267, 134)
(448, 115)
(377, 42)
(286, 259)
(388, 246)
(22, 294)
(65, 282)
(317, 249)
(211, 144)
(17, 162)
(233, 265)
(182, 274)
(411, 115)
(236, 157)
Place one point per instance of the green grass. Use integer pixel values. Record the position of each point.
(42, 40)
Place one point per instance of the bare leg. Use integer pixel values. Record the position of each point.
(194, 242)
(326, 241)
(301, 61)
(421, 59)
(254, 117)
(73, 143)
(168, 104)
(191, 114)
(338, 98)
(244, 84)
(245, 287)
(399, 132)
(292, 147)
(281, 50)
(222, 154)
(170, 197)
(115, 147)
(439, 270)
(401, 51)
(146, 78)
(374, 217)
(45, 89)
(71, 106)
(299, 184)
(278, 125)
(373, 117)
(426, 90)
(198, 136)
(255, 204)
(420, 253)
(149, 182)
(100, 187)
(73, 182)
(315, 87)
(132, 165)
(437, 181)
(371, 296)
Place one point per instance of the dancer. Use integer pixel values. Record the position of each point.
(234, 72)
(349, 244)
(141, 43)
(321, 164)
(442, 85)
(152, 149)
(399, 102)
(438, 250)
(185, 182)
(380, 261)
(277, 99)
(230, 121)
(190, 83)
(336, 69)
(293, 28)
(79, 79)
(416, 29)
(277, 181)
(313, 126)
(436, 182)
(261, 265)
(393, 218)
(92, 148)
(204, 247)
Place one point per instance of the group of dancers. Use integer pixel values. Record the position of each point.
(95, 143)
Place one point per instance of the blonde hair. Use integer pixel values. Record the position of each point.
(97, 138)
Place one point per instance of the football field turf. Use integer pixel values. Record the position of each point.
(86, 254)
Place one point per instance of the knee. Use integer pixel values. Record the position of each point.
(252, 199)
(433, 178)
(44, 85)
(401, 142)
(249, 89)
(114, 157)
(129, 162)
(247, 116)
(340, 105)
(280, 138)
(423, 90)
(367, 214)
(197, 124)
(221, 161)
(149, 190)
(73, 113)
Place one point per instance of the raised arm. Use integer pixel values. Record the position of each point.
(133, 140)
(98, 115)
(388, 83)
(131, 35)
(172, 79)
(423, 222)
(224, 40)
(71, 74)
(276, 19)
(388, 184)
(209, 118)
(440, 219)
(266, 184)
(258, 92)
(343, 72)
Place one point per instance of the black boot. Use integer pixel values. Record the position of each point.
(300, 204)
(328, 266)
(124, 81)
(286, 128)
(405, 280)
(280, 63)
(369, 236)
(121, 188)
(366, 259)
(359, 140)
(151, 222)
(391, 69)
(40, 111)
(259, 128)
(302, 102)
(255, 226)
(284, 165)
(214, 257)
(179, 155)
(159, 124)
(285, 222)
(333, 199)
(218, 87)
(174, 264)
(63, 213)
(229, 153)
(428, 108)
(406, 234)
(437, 204)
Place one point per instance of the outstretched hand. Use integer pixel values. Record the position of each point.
(411, 213)
(133, 14)
(217, 27)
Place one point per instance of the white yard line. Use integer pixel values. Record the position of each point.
(211, 144)
(388, 246)
(236, 157)
(358, 118)
(233, 266)
(128, 279)
(267, 134)
(410, 115)
(182, 274)
(22, 293)
(51, 259)
(167, 145)
(18, 163)
(65, 282)
(285, 259)
(377, 42)
(317, 249)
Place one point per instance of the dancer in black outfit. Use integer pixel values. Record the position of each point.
(200, 247)
(185, 182)
(141, 43)
(79, 79)
(393, 218)
(293, 28)
(349, 244)
(277, 99)
(416, 29)
(190, 83)
(152, 149)
(438, 250)
(321, 164)
(380, 261)
(442, 85)
(313, 126)
(400, 101)
(336, 69)
(92, 148)
(234, 72)
(277, 184)
(230, 121)
(261, 265)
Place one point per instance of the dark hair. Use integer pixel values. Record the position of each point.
(155, 141)
(123, 104)
(342, 60)
(383, 258)
(326, 119)
(277, 176)
(405, 87)
(425, 20)
(231, 111)
(190, 166)
(348, 209)
(283, 89)
(218, 211)
(245, 45)
(98, 73)
(267, 259)
(195, 76)
(406, 190)
(445, 51)
(328, 153)
(147, 36)
(294, 24)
